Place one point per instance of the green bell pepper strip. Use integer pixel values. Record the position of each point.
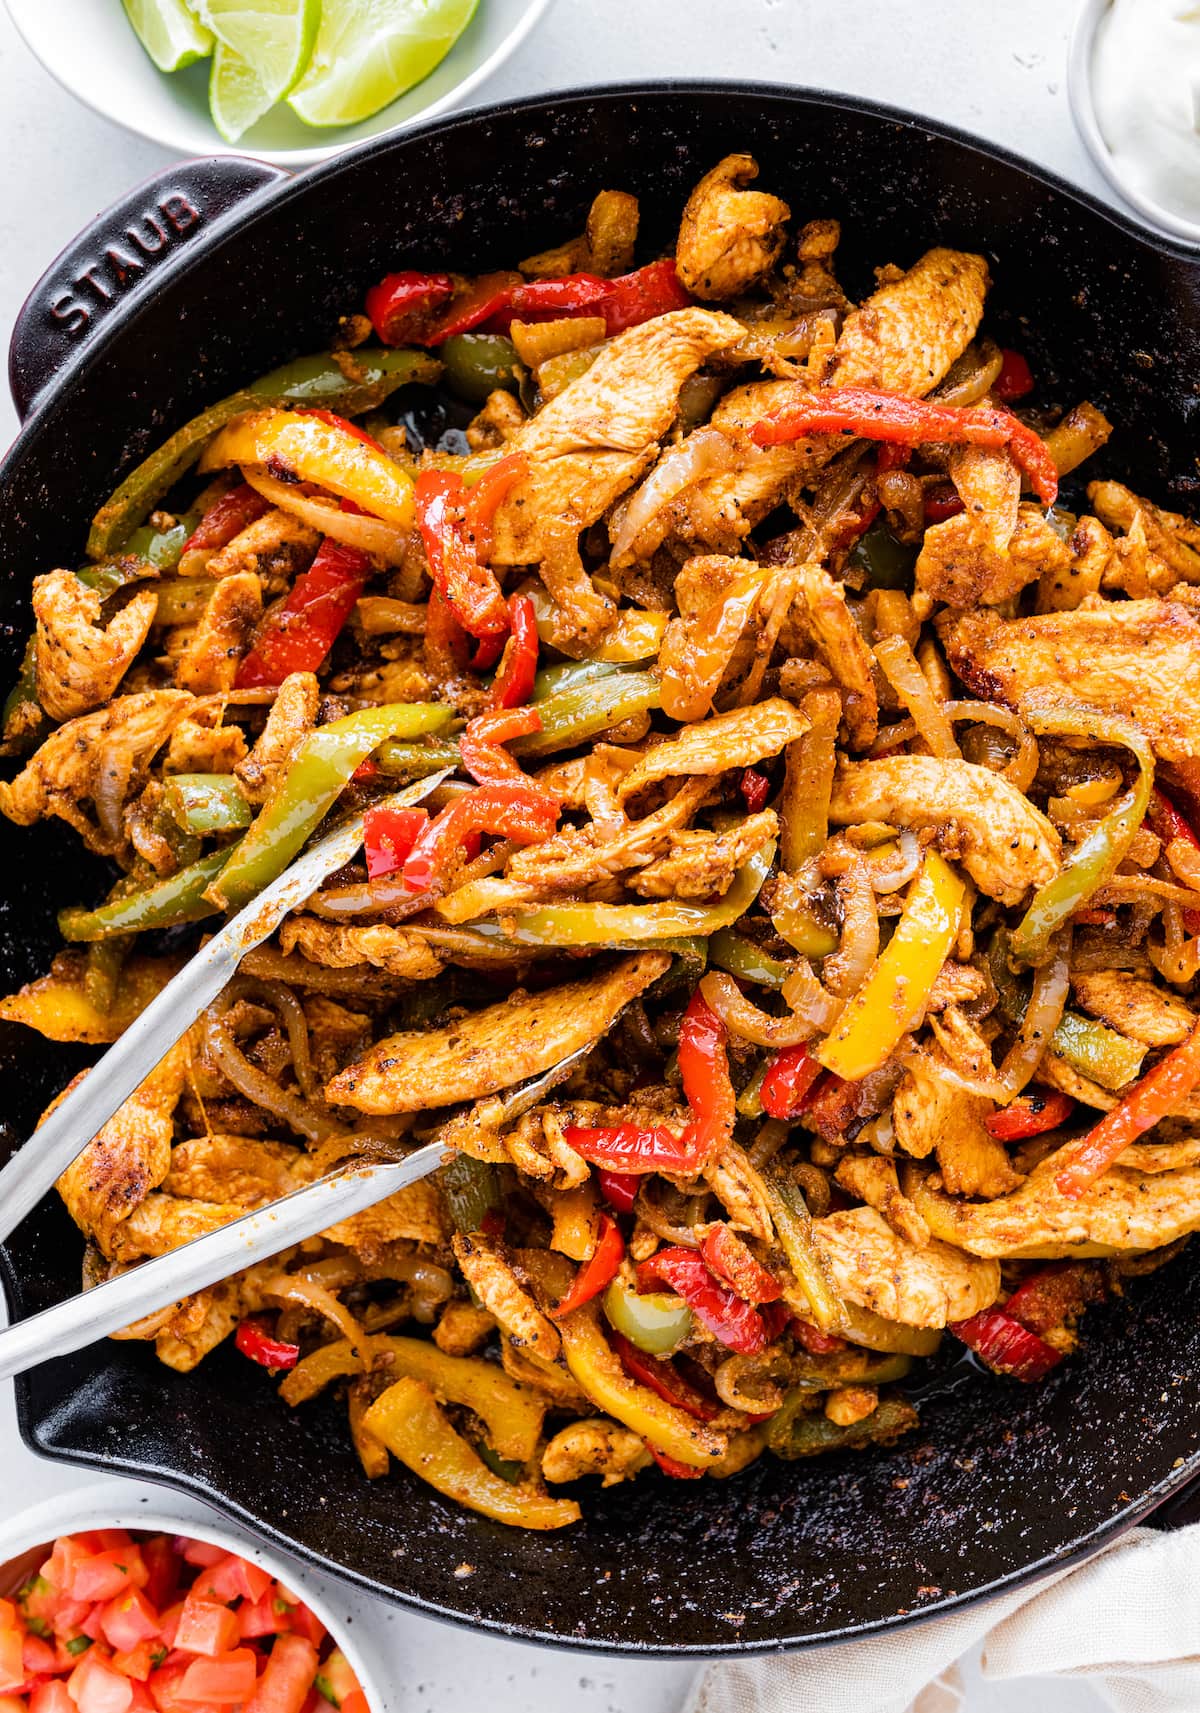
(178, 898)
(206, 802)
(569, 675)
(183, 600)
(795, 1430)
(472, 1191)
(656, 1322)
(805, 1257)
(102, 974)
(23, 694)
(1096, 859)
(1089, 1047)
(573, 716)
(729, 950)
(749, 1102)
(415, 760)
(113, 574)
(479, 363)
(609, 924)
(313, 380)
(318, 775)
(504, 1467)
(886, 560)
(162, 547)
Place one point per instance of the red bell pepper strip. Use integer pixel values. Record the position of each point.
(633, 1148)
(445, 638)
(1150, 1099)
(755, 788)
(480, 746)
(487, 652)
(663, 1378)
(495, 301)
(671, 1465)
(297, 636)
(518, 668)
(452, 525)
(598, 1271)
(232, 513)
(401, 307)
(879, 415)
(1006, 1346)
(1168, 824)
(1015, 379)
(1055, 1296)
(485, 298)
(731, 1320)
(389, 835)
(728, 1257)
(484, 497)
(255, 1339)
(816, 1342)
(643, 294)
(519, 811)
(1039, 1110)
(704, 1068)
(619, 1189)
(790, 1076)
(941, 502)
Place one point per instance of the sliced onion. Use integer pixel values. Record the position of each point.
(306, 1294)
(744, 1019)
(903, 672)
(846, 969)
(696, 652)
(987, 1087)
(893, 865)
(1022, 769)
(704, 451)
(803, 994)
(369, 534)
(1051, 982)
(113, 774)
(255, 1084)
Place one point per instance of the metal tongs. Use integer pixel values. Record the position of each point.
(153, 1285)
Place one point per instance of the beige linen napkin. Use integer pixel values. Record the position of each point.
(1128, 1621)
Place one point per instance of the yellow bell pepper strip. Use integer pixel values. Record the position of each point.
(807, 1260)
(612, 925)
(299, 446)
(163, 904)
(654, 1321)
(408, 1421)
(597, 1369)
(582, 711)
(511, 1413)
(59, 1007)
(321, 769)
(314, 380)
(1159, 1091)
(1098, 856)
(897, 987)
(808, 783)
(792, 1433)
(206, 802)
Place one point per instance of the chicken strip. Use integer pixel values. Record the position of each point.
(242, 1169)
(1123, 1210)
(1139, 658)
(739, 738)
(293, 715)
(824, 615)
(730, 236)
(596, 1446)
(101, 758)
(930, 1114)
(128, 1158)
(211, 656)
(79, 661)
(977, 817)
(1173, 540)
(875, 1269)
(702, 864)
(1133, 1006)
(996, 545)
(596, 437)
(399, 951)
(488, 1271)
(494, 1048)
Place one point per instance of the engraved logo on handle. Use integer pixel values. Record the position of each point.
(118, 265)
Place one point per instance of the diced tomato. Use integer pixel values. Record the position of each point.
(12, 1651)
(169, 1623)
(198, 1552)
(234, 1578)
(162, 1571)
(164, 1686)
(139, 1662)
(95, 1687)
(38, 1657)
(224, 1681)
(288, 1677)
(106, 1574)
(128, 1620)
(304, 1621)
(59, 1567)
(355, 1702)
(206, 1627)
(51, 1697)
(263, 1617)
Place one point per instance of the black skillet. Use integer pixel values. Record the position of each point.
(218, 270)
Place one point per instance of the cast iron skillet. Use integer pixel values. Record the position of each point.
(216, 271)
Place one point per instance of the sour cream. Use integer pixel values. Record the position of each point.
(1146, 96)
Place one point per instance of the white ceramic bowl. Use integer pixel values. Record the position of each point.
(1083, 109)
(90, 47)
(102, 1506)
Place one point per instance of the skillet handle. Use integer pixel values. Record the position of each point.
(103, 271)
(1179, 1510)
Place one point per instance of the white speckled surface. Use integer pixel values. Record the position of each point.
(996, 69)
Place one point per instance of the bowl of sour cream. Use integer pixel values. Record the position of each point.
(1134, 83)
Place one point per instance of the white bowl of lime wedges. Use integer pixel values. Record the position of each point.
(291, 81)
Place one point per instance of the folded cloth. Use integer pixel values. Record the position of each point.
(1127, 1621)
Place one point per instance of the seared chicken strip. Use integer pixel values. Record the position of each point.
(730, 236)
(878, 1270)
(80, 662)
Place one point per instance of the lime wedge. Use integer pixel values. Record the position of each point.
(370, 51)
(274, 38)
(168, 32)
(237, 96)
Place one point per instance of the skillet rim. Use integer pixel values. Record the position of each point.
(237, 224)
